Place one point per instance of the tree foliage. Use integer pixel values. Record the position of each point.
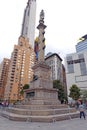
(74, 92)
(84, 95)
(26, 86)
(61, 95)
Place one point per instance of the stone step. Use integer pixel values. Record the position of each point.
(41, 112)
(40, 107)
(50, 118)
(40, 101)
(44, 102)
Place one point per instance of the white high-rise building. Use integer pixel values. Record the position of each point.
(55, 62)
(57, 68)
(76, 70)
(28, 26)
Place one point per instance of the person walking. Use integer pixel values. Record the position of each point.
(82, 110)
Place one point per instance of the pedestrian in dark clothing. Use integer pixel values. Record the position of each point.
(82, 110)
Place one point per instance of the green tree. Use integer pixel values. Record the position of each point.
(74, 92)
(61, 95)
(83, 95)
(26, 86)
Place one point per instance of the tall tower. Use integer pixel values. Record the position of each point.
(28, 26)
(23, 56)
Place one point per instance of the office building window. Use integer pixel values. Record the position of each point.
(83, 68)
(82, 64)
(70, 68)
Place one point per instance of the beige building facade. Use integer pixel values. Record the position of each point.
(4, 67)
(20, 70)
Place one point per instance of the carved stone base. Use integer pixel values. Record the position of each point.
(42, 96)
(41, 90)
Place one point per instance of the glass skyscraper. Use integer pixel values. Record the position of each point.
(82, 45)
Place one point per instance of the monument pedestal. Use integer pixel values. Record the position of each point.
(41, 89)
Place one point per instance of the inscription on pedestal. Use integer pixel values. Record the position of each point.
(30, 94)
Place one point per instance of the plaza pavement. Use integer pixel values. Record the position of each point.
(72, 124)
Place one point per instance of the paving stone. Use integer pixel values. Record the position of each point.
(72, 124)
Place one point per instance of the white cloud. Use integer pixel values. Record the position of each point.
(65, 19)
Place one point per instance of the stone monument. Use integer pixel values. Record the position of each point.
(41, 89)
(41, 99)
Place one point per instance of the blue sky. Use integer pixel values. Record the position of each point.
(66, 22)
